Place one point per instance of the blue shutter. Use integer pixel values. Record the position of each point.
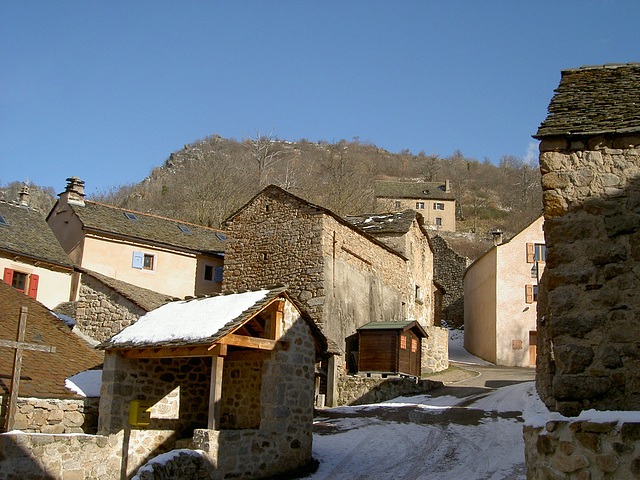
(218, 275)
(138, 260)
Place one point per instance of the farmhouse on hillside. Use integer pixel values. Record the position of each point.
(164, 255)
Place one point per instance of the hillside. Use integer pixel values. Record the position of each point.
(209, 179)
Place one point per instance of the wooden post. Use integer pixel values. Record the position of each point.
(215, 388)
(19, 345)
(332, 378)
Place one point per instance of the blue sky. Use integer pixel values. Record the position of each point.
(107, 90)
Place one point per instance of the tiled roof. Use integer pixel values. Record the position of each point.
(143, 297)
(419, 190)
(593, 100)
(377, 223)
(149, 228)
(43, 374)
(25, 232)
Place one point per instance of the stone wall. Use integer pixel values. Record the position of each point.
(583, 449)
(60, 457)
(448, 271)
(101, 313)
(358, 390)
(588, 350)
(47, 415)
(435, 350)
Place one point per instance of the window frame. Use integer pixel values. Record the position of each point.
(419, 205)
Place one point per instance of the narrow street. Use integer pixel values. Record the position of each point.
(470, 429)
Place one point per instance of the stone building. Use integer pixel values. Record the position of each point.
(157, 253)
(500, 299)
(433, 200)
(31, 259)
(448, 272)
(342, 275)
(589, 311)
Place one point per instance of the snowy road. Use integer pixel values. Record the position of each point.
(427, 438)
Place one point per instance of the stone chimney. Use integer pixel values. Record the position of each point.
(74, 193)
(447, 186)
(497, 237)
(23, 196)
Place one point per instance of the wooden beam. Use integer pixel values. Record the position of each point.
(28, 346)
(215, 392)
(169, 352)
(252, 342)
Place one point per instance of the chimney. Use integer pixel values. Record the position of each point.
(23, 196)
(74, 193)
(447, 186)
(497, 237)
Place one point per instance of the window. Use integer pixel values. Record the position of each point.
(418, 294)
(536, 252)
(439, 221)
(398, 204)
(531, 293)
(403, 342)
(414, 345)
(208, 273)
(3, 222)
(25, 282)
(438, 206)
(143, 261)
(130, 216)
(185, 229)
(213, 273)
(221, 236)
(419, 205)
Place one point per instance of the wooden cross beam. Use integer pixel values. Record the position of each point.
(19, 345)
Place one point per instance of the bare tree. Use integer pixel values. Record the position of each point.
(263, 152)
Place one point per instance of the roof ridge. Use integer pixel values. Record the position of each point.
(155, 216)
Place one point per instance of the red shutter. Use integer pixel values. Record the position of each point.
(8, 276)
(33, 285)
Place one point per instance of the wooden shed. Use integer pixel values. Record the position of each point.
(390, 347)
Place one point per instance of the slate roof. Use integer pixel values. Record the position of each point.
(418, 190)
(377, 223)
(26, 233)
(594, 100)
(43, 374)
(143, 297)
(177, 323)
(149, 228)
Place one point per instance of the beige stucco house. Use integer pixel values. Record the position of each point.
(500, 299)
(31, 259)
(433, 200)
(161, 254)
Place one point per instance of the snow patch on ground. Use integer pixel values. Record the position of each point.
(457, 352)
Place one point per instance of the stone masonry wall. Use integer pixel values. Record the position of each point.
(101, 313)
(435, 350)
(357, 390)
(589, 340)
(47, 415)
(583, 449)
(448, 271)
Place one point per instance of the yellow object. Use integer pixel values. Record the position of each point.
(139, 413)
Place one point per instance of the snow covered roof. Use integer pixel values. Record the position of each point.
(195, 321)
(380, 223)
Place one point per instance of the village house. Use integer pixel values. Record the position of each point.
(500, 299)
(50, 354)
(230, 376)
(433, 200)
(31, 259)
(589, 308)
(169, 256)
(342, 275)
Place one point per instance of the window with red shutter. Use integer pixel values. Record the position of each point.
(7, 276)
(33, 285)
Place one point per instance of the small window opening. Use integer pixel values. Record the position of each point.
(19, 281)
(438, 221)
(130, 216)
(185, 229)
(208, 273)
(403, 342)
(148, 262)
(419, 205)
(3, 221)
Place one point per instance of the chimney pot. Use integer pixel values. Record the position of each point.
(74, 192)
(447, 186)
(23, 196)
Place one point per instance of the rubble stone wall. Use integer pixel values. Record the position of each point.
(359, 390)
(581, 449)
(101, 313)
(435, 350)
(448, 271)
(46, 415)
(589, 329)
